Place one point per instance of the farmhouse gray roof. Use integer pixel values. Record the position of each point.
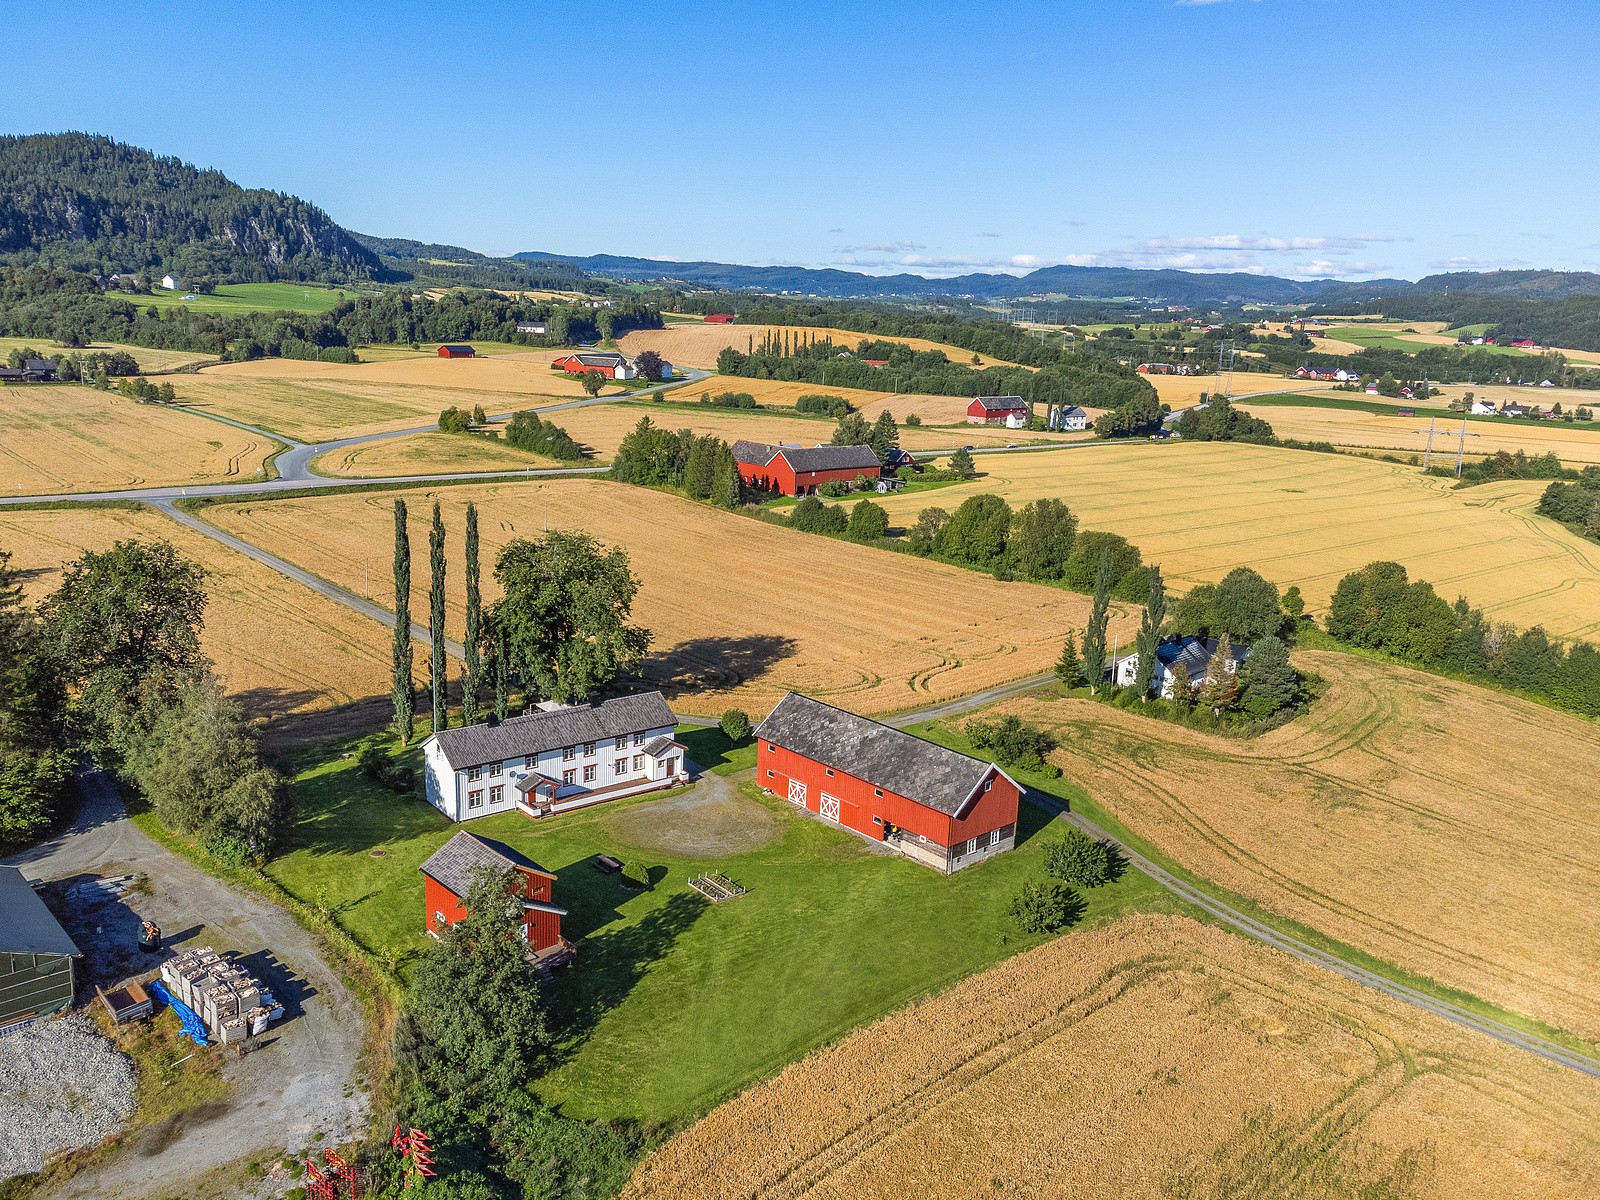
(26, 925)
(1072, 410)
(885, 757)
(1001, 403)
(538, 732)
(455, 863)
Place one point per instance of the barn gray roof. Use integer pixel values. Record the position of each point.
(883, 756)
(538, 732)
(1001, 403)
(26, 925)
(831, 458)
(455, 863)
(755, 454)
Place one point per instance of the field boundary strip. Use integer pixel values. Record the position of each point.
(1259, 930)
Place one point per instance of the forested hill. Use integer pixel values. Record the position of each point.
(86, 202)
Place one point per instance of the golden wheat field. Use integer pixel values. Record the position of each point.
(1184, 391)
(148, 359)
(689, 345)
(1201, 509)
(1577, 444)
(427, 454)
(282, 649)
(1436, 825)
(1111, 1063)
(314, 401)
(741, 611)
(78, 439)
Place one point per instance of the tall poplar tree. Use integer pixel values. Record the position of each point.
(401, 690)
(502, 679)
(1094, 637)
(474, 665)
(1155, 612)
(436, 670)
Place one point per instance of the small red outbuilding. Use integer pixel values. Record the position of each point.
(449, 874)
(937, 806)
(455, 351)
(719, 319)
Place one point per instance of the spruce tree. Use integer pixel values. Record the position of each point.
(1094, 637)
(402, 691)
(1155, 612)
(436, 670)
(472, 676)
(727, 490)
(1068, 669)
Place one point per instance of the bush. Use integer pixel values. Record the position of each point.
(729, 400)
(635, 876)
(913, 420)
(1078, 859)
(813, 516)
(825, 406)
(868, 522)
(1013, 743)
(735, 725)
(528, 431)
(379, 766)
(1045, 907)
(834, 489)
(454, 420)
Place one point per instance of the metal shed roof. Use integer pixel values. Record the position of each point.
(26, 925)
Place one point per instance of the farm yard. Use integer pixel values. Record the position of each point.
(1111, 1062)
(316, 401)
(283, 650)
(66, 438)
(871, 630)
(697, 345)
(1378, 820)
(1201, 509)
(675, 1004)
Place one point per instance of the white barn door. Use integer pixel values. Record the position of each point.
(830, 806)
(797, 793)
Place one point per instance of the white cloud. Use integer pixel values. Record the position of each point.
(1476, 264)
(881, 248)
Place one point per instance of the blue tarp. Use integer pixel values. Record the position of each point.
(193, 1026)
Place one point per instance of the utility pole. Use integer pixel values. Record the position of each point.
(1427, 454)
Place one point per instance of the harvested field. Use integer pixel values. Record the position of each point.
(148, 359)
(1577, 444)
(1110, 1063)
(699, 345)
(427, 453)
(1380, 820)
(314, 401)
(281, 648)
(869, 629)
(1184, 391)
(1201, 509)
(78, 439)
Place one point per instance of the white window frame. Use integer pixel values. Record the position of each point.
(590, 771)
(622, 742)
(638, 762)
(568, 753)
(972, 845)
(496, 769)
(497, 794)
(475, 798)
(569, 777)
(638, 739)
(589, 748)
(620, 767)
(474, 774)
(994, 838)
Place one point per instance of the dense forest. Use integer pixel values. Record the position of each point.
(68, 308)
(87, 202)
(405, 260)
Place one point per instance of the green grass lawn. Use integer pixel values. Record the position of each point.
(1387, 339)
(674, 1004)
(249, 297)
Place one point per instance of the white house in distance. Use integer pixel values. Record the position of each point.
(170, 282)
(1482, 408)
(1198, 656)
(554, 759)
(533, 327)
(1071, 418)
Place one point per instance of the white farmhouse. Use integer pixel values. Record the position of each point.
(1069, 418)
(170, 282)
(1198, 656)
(557, 758)
(1482, 408)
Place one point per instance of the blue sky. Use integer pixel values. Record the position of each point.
(1291, 137)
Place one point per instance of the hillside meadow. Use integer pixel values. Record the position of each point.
(740, 611)
(1111, 1062)
(1386, 818)
(246, 297)
(148, 359)
(317, 401)
(690, 345)
(1201, 509)
(66, 438)
(283, 650)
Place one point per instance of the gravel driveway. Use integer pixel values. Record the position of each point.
(283, 1095)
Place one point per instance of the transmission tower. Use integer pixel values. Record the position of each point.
(1225, 354)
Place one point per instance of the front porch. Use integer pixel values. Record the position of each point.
(539, 803)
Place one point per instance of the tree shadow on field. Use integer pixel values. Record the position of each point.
(719, 663)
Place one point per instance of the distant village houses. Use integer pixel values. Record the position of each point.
(533, 326)
(608, 362)
(1333, 374)
(170, 282)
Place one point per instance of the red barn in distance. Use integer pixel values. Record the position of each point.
(449, 874)
(801, 470)
(455, 352)
(719, 318)
(608, 362)
(939, 807)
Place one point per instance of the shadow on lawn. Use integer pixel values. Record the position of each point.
(717, 662)
(610, 965)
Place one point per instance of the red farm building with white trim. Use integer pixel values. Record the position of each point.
(936, 806)
(449, 874)
(801, 470)
(1010, 411)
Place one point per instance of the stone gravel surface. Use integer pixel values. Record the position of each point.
(63, 1086)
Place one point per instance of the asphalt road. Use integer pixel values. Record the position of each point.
(301, 1082)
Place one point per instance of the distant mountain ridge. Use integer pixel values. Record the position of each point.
(84, 201)
(1171, 286)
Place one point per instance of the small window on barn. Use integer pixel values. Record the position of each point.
(987, 784)
(878, 792)
(877, 820)
(972, 845)
(829, 770)
(438, 919)
(994, 838)
(770, 773)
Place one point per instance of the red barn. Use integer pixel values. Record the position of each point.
(937, 806)
(449, 874)
(1010, 411)
(608, 362)
(455, 351)
(719, 319)
(799, 470)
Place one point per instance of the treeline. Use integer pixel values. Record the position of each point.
(1380, 608)
(69, 308)
(110, 666)
(1572, 321)
(702, 467)
(1441, 364)
(1217, 420)
(1576, 504)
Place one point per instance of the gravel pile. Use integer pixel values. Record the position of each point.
(62, 1086)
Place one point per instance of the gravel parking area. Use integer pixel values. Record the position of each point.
(63, 1086)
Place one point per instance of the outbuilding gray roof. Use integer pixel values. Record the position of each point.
(26, 925)
(455, 863)
(885, 757)
(538, 732)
